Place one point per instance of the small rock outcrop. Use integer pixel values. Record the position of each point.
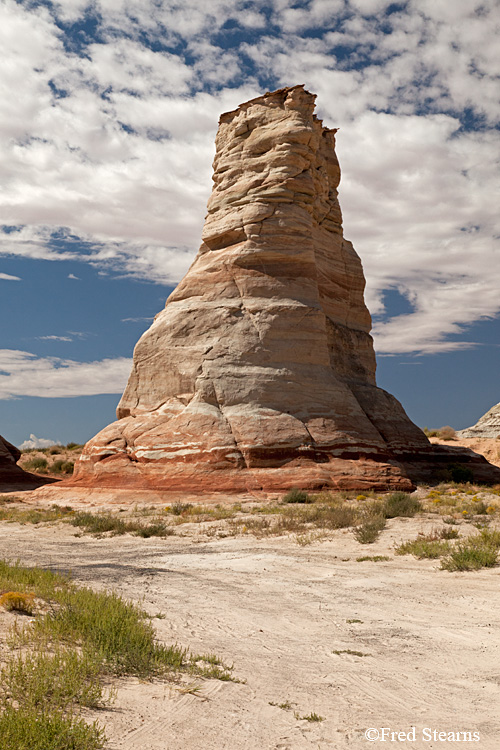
(12, 477)
(260, 371)
(487, 427)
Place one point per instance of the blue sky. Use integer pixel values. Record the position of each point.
(109, 113)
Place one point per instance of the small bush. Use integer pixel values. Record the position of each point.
(179, 508)
(4, 499)
(479, 508)
(74, 446)
(155, 529)
(449, 533)
(36, 464)
(59, 679)
(468, 557)
(16, 601)
(400, 504)
(99, 523)
(31, 730)
(297, 496)
(103, 523)
(424, 548)
(369, 531)
(62, 467)
(480, 551)
(447, 433)
(310, 717)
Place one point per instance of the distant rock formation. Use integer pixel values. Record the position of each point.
(12, 477)
(487, 427)
(260, 371)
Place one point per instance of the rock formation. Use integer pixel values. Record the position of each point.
(260, 371)
(487, 427)
(12, 477)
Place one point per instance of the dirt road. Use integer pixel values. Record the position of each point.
(429, 639)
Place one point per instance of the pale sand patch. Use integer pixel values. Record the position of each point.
(488, 447)
(277, 611)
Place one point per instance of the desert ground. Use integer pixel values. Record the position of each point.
(311, 632)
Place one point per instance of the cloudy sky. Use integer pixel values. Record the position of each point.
(109, 112)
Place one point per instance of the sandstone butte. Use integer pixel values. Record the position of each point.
(12, 477)
(487, 427)
(260, 371)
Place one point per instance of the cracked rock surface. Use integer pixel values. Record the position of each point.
(260, 371)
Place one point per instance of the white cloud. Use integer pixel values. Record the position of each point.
(35, 442)
(9, 277)
(106, 155)
(136, 320)
(54, 338)
(25, 374)
(72, 276)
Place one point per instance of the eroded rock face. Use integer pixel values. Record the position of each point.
(12, 477)
(487, 427)
(260, 371)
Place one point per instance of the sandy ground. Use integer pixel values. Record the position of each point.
(488, 447)
(278, 611)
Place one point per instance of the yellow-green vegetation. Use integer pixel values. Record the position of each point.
(424, 547)
(310, 516)
(59, 661)
(35, 515)
(285, 706)
(372, 558)
(462, 500)
(17, 601)
(310, 717)
(102, 523)
(349, 652)
(478, 551)
(474, 552)
(5, 499)
(374, 514)
(444, 433)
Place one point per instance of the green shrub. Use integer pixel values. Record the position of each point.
(400, 504)
(479, 551)
(177, 509)
(99, 523)
(155, 529)
(102, 523)
(369, 531)
(36, 464)
(111, 627)
(297, 496)
(62, 467)
(27, 729)
(479, 508)
(424, 548)
(60, 679)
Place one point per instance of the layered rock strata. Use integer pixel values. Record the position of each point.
(260, 371)
(487, 427)
(12, 477)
